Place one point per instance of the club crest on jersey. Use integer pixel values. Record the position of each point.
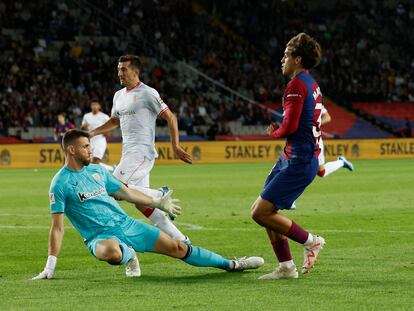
(96, 176)
(52, 198)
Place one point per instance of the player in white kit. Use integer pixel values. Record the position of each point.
(135, 110)
(328, 168)
(91, 121)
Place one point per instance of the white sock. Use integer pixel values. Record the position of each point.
(153, 193)
(333, 166)
(309, 241)
(165, 224)
(287, 264)
(158, 217)
(107, 167)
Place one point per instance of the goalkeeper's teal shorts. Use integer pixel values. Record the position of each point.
(140, 236)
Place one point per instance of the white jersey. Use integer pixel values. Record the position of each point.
(98, 142)
(137, 110)
(94, 120)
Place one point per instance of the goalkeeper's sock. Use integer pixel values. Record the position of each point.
(333, 166)
(200, 257)
(127, 255)
(165, 224)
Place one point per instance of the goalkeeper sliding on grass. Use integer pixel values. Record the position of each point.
(82, 192)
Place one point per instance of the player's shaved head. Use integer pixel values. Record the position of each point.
(307, 48)
(71, 136)
(134, 60)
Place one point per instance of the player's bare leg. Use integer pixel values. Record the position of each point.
(266, 215)
(115, 253)
(200, 257)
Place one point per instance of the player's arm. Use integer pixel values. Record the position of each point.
(55, 134)
(293, 105)
(84, 125)
(171, 119)
(166, 203)
(290, 122)
(55, 242)
(326, 118)
(108, 126)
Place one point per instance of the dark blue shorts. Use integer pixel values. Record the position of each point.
(287, 181)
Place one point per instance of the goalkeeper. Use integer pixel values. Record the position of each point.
(83, 192)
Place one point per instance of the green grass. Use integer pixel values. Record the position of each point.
(366, 218)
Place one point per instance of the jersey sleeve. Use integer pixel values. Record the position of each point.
(112, 184)
(113, 110)
(57, 196)
(105, 117)
(293, 100)
(155, 102)
(84, 120)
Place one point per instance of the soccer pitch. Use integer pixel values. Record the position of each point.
(366, 218)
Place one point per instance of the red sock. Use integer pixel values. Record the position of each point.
(282, 250)
(148, 212)
(296, 233)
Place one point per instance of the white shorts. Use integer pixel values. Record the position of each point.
(321, 157)
(134, 171)
(98, 146)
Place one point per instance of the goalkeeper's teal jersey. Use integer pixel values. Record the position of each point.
(84, 198)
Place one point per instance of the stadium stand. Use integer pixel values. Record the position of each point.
(221, 71)
(397, 115)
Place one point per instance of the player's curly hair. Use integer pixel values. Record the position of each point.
(307, 48)
(134, 59)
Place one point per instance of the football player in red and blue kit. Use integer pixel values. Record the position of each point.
(298, 165)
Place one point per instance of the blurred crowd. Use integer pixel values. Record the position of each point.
(56, 57)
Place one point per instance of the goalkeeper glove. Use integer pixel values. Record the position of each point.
(167, 204)
(49, 269)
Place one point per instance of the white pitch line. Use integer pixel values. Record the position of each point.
(190, 226)
(22, 215)
(194, 227)
(28, 227)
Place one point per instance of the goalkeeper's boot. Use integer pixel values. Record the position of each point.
(246, 263)
(281, 273)
(348, 165)
(310, 253)
(187, 241)
(132, 268)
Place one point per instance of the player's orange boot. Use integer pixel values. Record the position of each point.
(310, 253)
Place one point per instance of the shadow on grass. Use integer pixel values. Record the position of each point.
(196, 278)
